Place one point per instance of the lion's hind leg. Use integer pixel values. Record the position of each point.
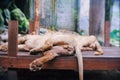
(39, 62)
(51, 54)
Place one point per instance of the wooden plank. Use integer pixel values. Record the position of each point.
(12, 38)
(37, 16)
(91, 62)
(66, 63)
(108, 53)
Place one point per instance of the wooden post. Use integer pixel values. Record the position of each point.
(97, 11)
(107, 33)
(37, 16)
(108, 8)
(12, 38)
(31, 27)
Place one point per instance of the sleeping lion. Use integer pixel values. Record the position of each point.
(53, 44)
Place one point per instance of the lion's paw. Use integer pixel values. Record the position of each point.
(35, 65)
(98, 53)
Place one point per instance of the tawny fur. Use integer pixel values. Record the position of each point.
(48, 43)
(36, 43)
(51, 54)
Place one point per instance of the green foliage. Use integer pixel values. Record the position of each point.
(108, 8)
(115, 34)
(7, 16)
(53, 5)
(1, 21)
(115, 37)
(81, 32)
(11, 12)
(75, 14)
(17, 14)
(54, 28)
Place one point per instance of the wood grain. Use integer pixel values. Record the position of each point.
(37, 16)
(31, 27)
(109, 61)
(107, 33)
(12, 38)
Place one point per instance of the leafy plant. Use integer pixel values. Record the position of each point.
(1, 21)
(115, 34)
(108, 8)
(115, 37)
(7, 16)
(17, 14)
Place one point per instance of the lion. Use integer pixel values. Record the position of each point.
(52, 43)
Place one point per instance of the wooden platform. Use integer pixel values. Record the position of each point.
(109, 61)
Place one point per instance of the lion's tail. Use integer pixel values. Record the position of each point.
(80, 61)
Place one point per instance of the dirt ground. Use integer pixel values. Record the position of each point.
(61, 75)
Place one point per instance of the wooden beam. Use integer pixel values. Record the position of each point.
(12, 38)
(91, 62)
(108, 8)
(37, 16)
(107, 33)
(31, 27)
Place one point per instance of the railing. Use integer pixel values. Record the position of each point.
(91, 62)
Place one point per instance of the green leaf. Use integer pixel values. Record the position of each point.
(17, 14)
(7, 15)
(115, 34)
(1, 21)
